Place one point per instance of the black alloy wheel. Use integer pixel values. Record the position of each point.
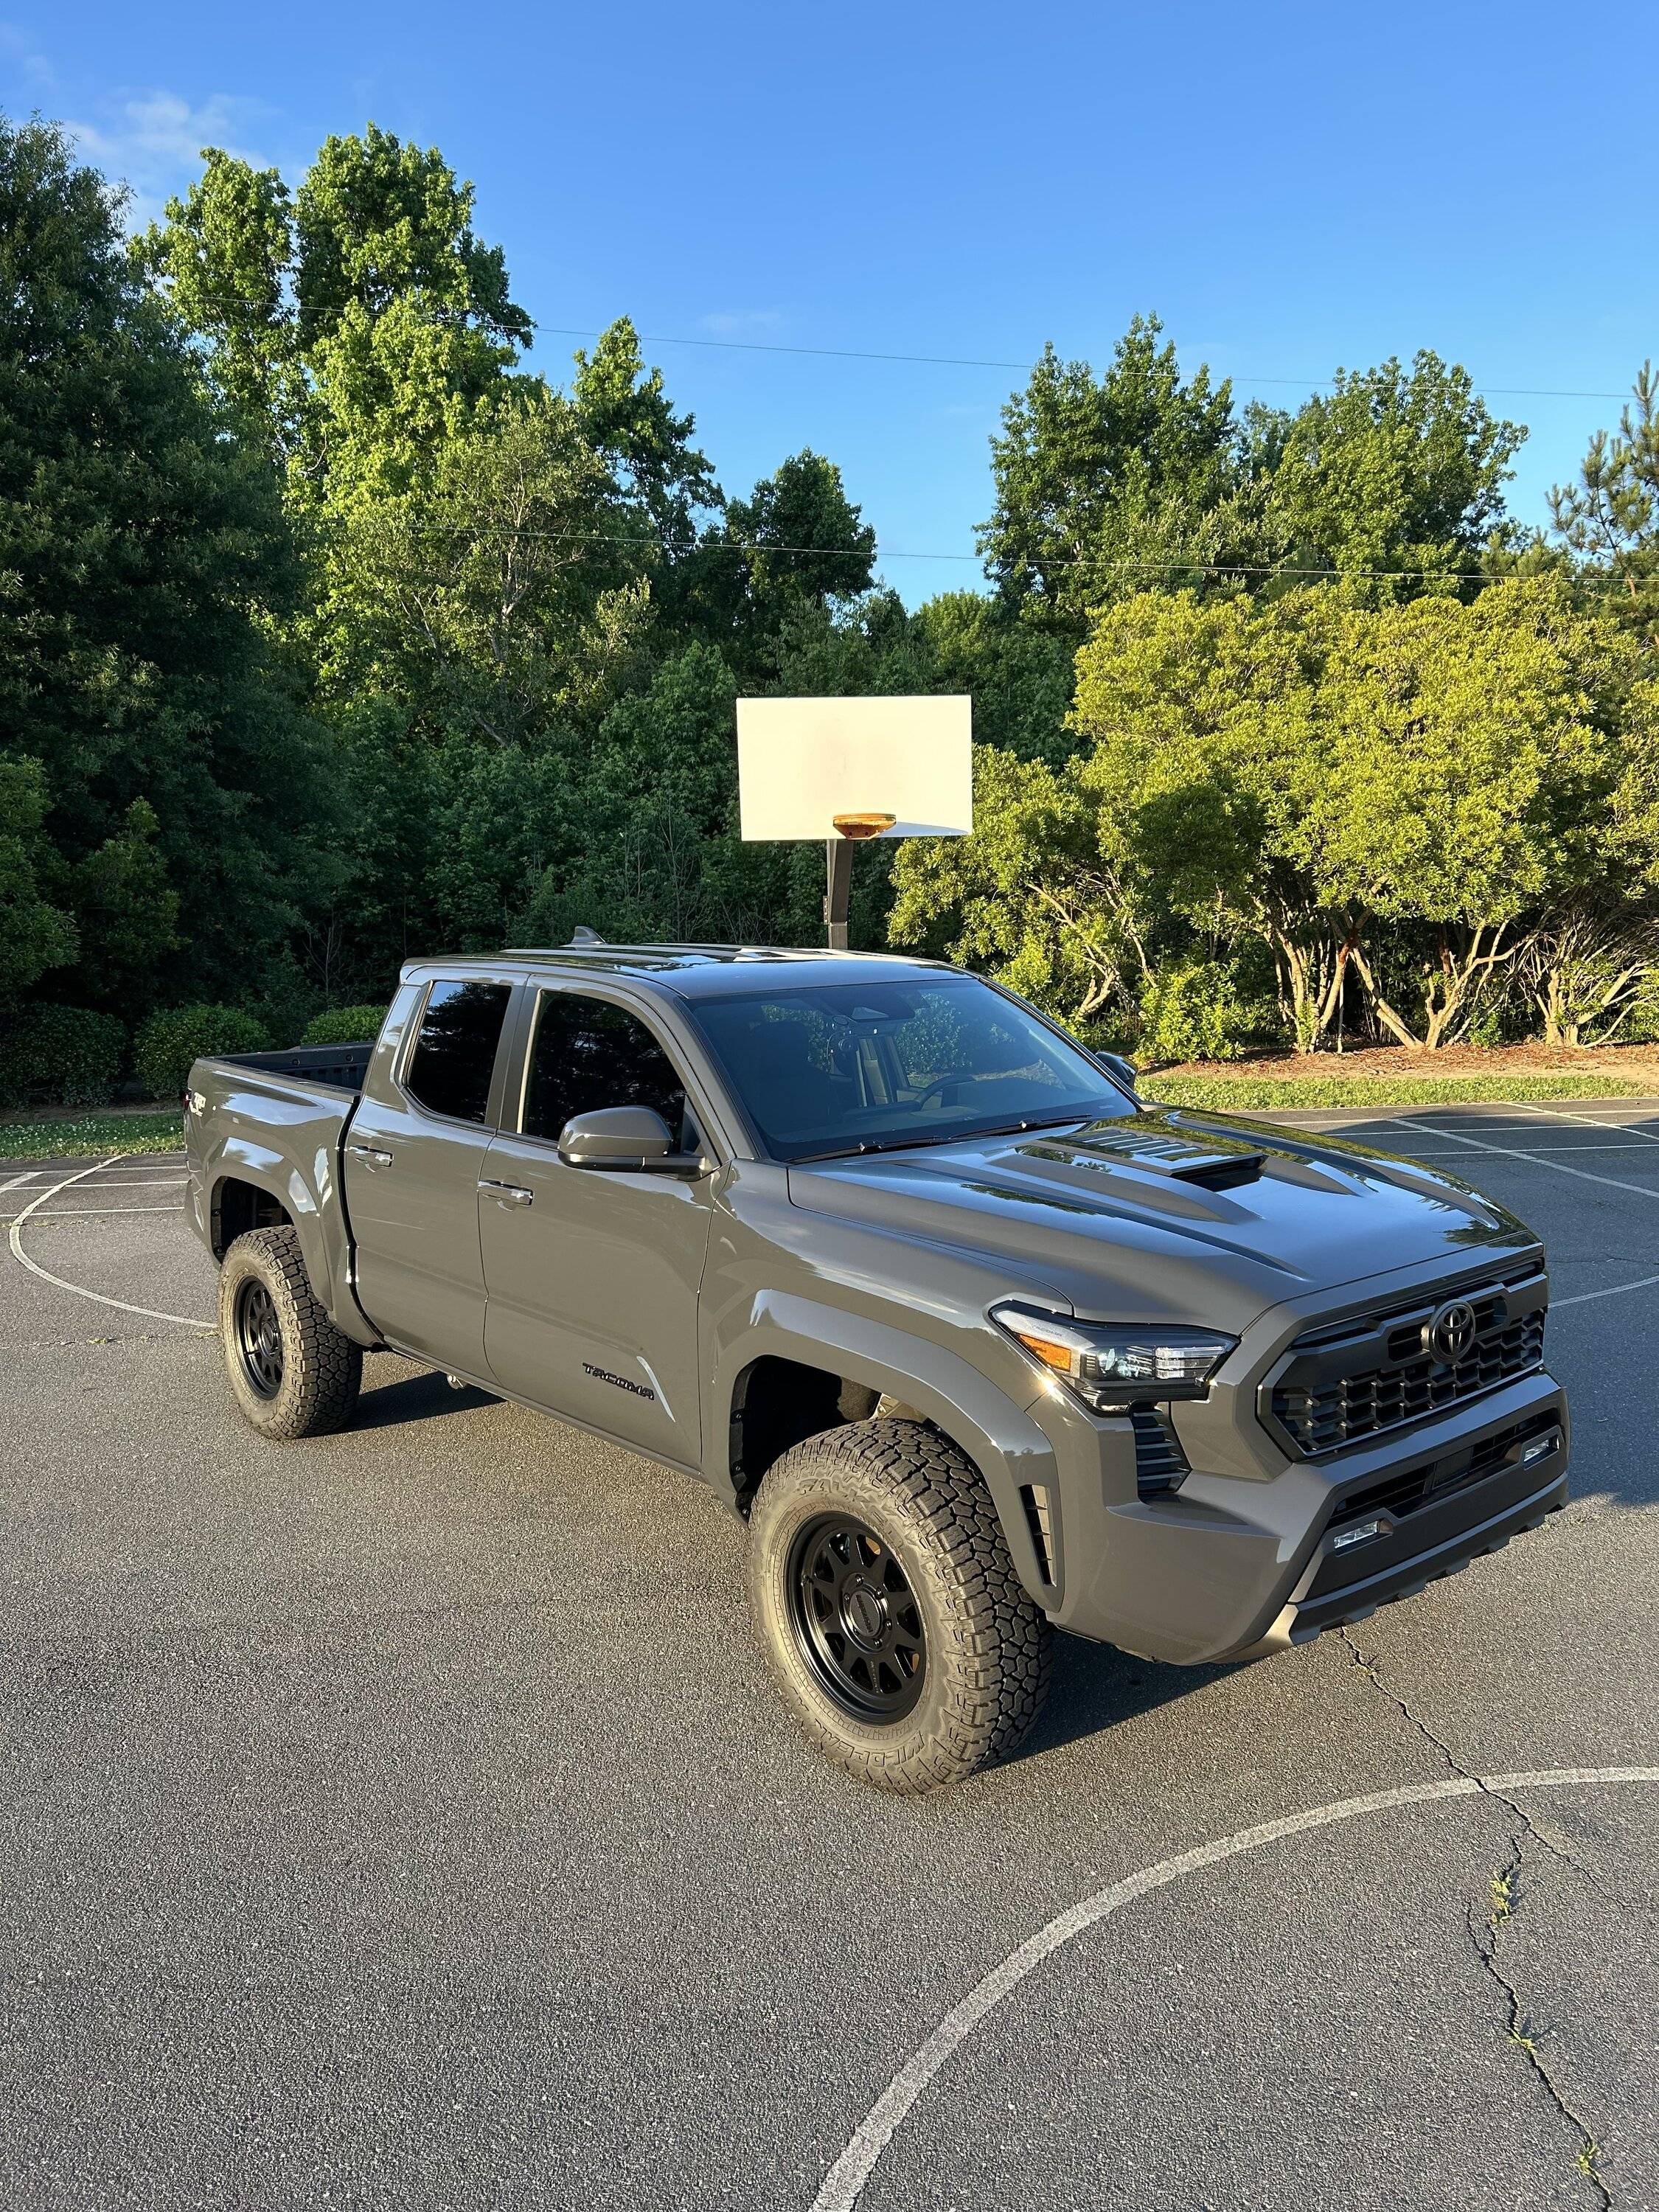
(856, 1620)
(260, 1338)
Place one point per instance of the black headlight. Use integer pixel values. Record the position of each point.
(1111, 1365)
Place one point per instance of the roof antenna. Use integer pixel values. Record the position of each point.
(581, 935)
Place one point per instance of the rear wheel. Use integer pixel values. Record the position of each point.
(292, 1372)
(899, 1634)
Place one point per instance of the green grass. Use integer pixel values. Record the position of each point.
(91, 1133)
(1240, 1094)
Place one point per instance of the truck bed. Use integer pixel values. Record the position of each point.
(341, 1067)
(263, 1136)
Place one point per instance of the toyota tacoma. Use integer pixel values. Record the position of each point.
(978, 1344)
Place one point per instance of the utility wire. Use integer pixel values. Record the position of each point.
(487, 533)
(922, 360)
(967, 360)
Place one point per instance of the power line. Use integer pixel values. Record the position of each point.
(967, 361)
(922, 360)
(641, 543)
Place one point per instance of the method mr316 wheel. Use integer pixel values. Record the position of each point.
(888, 1605)
(292, 1372)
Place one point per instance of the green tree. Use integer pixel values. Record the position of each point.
(1410, 792)
(126, 910)
(1484, 768)
(145, 567)
(1019, 674)
(1390, 475)
(225, 256)
(1031, 895)
(1107, 486)
(404, 316)
(625, 413)
(34, 934)
(1609, 519)
(793, 549)
(500, 595)
(656, 822)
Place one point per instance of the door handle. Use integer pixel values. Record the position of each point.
(370, 1155)
(507, 1194)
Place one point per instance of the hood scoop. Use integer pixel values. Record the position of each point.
(1216, 1165)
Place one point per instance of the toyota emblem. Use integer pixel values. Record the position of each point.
(1450, 1334)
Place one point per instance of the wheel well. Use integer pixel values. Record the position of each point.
(778, 1403)
(239, 1206)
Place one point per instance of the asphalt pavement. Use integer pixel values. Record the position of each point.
(404, 1819)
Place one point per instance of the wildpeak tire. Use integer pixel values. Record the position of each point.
(292, 1373)
(886, 1601)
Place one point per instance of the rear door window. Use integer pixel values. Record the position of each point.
(453, 1056)
(588, 1054)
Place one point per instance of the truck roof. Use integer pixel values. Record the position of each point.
(700, 971)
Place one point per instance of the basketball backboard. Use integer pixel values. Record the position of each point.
(802, 762)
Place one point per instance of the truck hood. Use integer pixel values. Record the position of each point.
(1168, 1213)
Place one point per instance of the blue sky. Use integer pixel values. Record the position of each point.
(1289, 186)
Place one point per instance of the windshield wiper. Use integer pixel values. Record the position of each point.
(939, 1137)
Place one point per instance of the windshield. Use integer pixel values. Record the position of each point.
(868, 1067)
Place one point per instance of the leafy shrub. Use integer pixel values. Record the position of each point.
(344, 1025)
(168, 1043)
(1202, 1010)
(1643, 1025)
(60, 1056)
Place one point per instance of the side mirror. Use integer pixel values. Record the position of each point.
(626, 1137)
(1123, 1070)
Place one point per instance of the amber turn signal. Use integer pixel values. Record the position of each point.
(1051, 1354)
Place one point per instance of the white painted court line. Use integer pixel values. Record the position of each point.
(1542, 1152)
(140, 1182)
(844, 2182)
(1585, 1174)
(122, 1305)
(1614, 1291)
(1592, 1121)
(91, 1212)
(1555, 1166)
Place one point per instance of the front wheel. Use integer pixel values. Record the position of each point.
(292, 1372)
(886, 1597)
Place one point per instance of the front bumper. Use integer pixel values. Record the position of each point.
(1227, 1568)
(1329, 1598)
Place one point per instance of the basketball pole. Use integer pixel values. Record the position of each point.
(850, 829)
(838, 876)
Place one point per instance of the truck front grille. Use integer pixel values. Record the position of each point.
(1398, 1495)
(1343, 1383)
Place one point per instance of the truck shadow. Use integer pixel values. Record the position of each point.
(1095, 1686)
(423, 1396)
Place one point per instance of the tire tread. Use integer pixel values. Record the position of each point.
(323, 1367)
(995, 1660)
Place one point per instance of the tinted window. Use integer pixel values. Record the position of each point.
(589, 1054)
(454, 1053)
(872, 1066)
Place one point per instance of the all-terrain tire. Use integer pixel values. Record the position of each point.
(292, 1372)
(934, 1531)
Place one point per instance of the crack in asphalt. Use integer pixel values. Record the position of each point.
(1519, 2028)
(1484, 1936)
(1368, 1667)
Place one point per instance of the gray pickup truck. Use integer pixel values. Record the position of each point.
(975, 1341)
